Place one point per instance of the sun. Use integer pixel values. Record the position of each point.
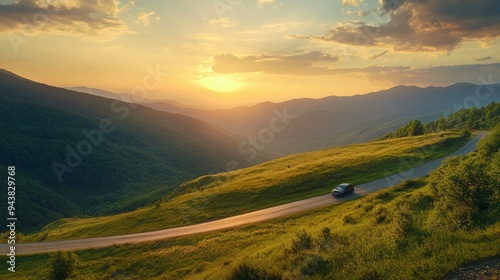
(220, 83)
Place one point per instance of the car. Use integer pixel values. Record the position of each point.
(343, 190)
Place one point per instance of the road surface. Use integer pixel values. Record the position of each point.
(257, 216)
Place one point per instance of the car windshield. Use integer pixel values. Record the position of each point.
(341, 187)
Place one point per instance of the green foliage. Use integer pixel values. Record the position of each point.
(303, 241)
(403, 223)
(468, 187)
(325, 239)
(246, 272)
(465, 119)
(413, 128)
(349, 219)
(316, 265)
(63, 265)
(380, 215)
(490, 146)
(470, 119)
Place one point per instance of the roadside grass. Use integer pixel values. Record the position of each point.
(265, 185)
(387, 235)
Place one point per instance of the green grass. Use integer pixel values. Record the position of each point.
(276, 182)
(369, 238)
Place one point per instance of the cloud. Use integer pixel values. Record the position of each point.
(127, 6)
(263, 2)
(145, 18)
(305, 65)
(379, 55)
(485, 58)
(82, 17)
(221, 22)
(438, 75)
(299, 64)
(351, 2)
(421, 25)
(282, 26)
(357, 13)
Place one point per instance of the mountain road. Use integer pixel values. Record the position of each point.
(253, 217)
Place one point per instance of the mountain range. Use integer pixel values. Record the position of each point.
(315, 124)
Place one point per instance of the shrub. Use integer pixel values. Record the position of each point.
(303, 241)
(380, 215)
(403, 223)
(63, 265)
(326, 234)
(349, 219)
(325, 238)
(316, 265)
(247, 272)
(467, 189)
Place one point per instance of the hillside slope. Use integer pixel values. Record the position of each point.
(268, 184)
(80, 154)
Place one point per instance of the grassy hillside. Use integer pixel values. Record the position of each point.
(136, 158)
(360, 239)
(276, 182)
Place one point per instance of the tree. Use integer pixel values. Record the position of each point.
(471, 118)
(63, 265)
(490, 145)
(440, 124)
(468, 188)
(464, 182)
(415, 128)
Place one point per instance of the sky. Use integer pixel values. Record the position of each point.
(220, 53)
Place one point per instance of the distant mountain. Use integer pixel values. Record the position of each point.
(333, 121)
(100, 92)
(133, 99)
(121, 96)
(78, 154)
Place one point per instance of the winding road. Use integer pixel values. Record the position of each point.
(257, 216)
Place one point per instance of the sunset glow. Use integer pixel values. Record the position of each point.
(220, 83)
(257, 50)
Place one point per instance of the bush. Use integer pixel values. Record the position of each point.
(490, 145)
(326, 233)
(325, 239)
(316, 265)
(246, 272)
(302, 242)
(466, 189)
(380, 215)
(403, 223)
(349, 219)
(63, 265)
